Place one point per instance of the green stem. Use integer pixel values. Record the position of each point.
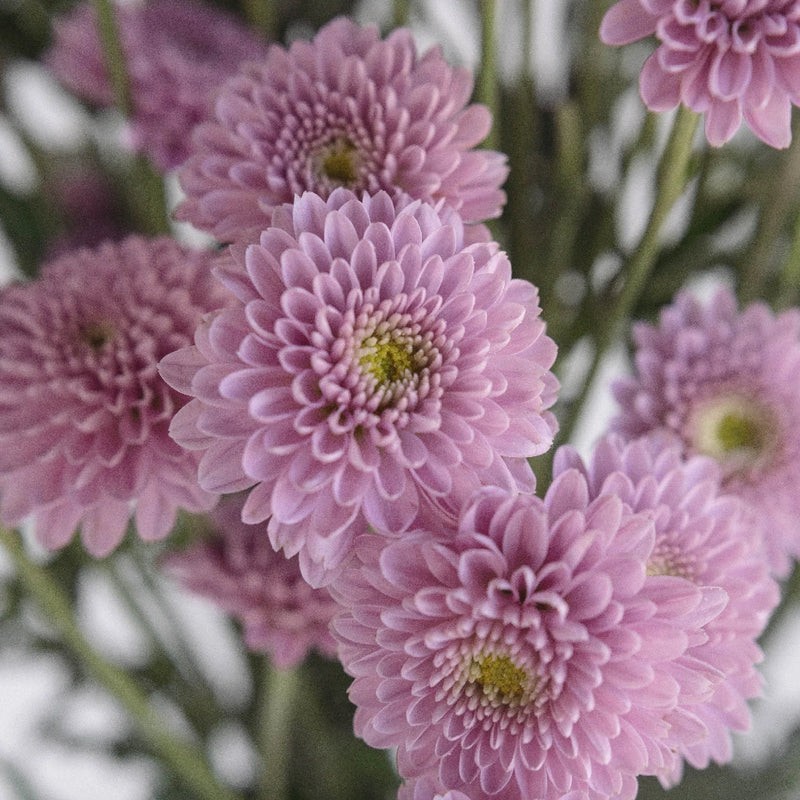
(488, 89)
(114, 55)
(262, 16)
(183, 758)
(279, 688)
(671, 179)
(400, 12)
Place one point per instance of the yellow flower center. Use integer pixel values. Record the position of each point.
(499, 677)
(734, 430)
(388, 362)
(338, 162)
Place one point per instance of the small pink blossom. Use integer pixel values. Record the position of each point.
(237, 567)
(84, 415)
(347, 109)
(704, 537)
(177, 53)
(728, 59)
(725, 382)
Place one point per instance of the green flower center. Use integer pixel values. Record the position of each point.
(97, 334)
(499, 677)
(736, 431)
(388, 362)
(338, 162)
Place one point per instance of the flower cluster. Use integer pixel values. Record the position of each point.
(357, 366)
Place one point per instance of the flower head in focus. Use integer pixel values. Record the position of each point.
(371, 362)
(177, 54)
(347, 109)
(237, 568)
(519, 657)
(84, 415)
(725, 382)
(732, 60)
(705, 538)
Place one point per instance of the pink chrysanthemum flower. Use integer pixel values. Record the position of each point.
(372, 361)
(177, 53)
(730, 59)
(519, 657)
(706, 538)
(347, 109)
(84, 415)
(725, 382)
(238, 568)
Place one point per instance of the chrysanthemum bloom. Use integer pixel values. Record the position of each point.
(84, 415)
(706, 538)
(725, 382)
(347, 109)
(237, 567)
(177, 53)
(732, 59)
(519, 657)
(372, 361)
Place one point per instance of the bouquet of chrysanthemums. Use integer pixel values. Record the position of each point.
(317, 321)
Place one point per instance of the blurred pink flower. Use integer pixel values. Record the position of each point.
(706, 538)
(519, 657)
(372, 362)
(731, 59)
(346, 109)
(237, 567)
(725, 382)
(84, 415)
(178, 52)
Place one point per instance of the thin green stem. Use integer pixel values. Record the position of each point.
(671, 178)
(279, 688)
(400, 13)
(488, 88)
(184, 759)
(114, 55)
(262, 16)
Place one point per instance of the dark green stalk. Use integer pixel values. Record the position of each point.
(185, 759)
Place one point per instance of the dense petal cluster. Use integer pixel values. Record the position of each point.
(706, 538)
(347, 109)
(236, 567)
(177, 53)
(731, 59)
(521, 657)
(84, 415)
(725, 382)
(426, 788)
(371, 362)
